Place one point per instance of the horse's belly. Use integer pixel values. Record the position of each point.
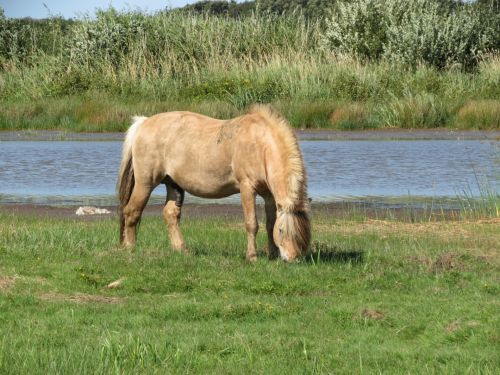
(207, 185)
(221, 192)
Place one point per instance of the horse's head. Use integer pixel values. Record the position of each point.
(292, 234)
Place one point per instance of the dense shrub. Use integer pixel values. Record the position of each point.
(410, 32)
(357, 28)
(22, 40)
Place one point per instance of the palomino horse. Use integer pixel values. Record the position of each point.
(256, 153)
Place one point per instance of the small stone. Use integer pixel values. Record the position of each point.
(88, 210)
(116, 284)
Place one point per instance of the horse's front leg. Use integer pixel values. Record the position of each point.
(248, 201)
(172, 216)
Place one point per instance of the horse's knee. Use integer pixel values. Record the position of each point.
(252, 226)
(172, 213)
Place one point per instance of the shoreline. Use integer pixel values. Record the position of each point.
(235, 211)
(304, 135)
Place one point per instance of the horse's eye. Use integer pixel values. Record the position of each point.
(281, 230)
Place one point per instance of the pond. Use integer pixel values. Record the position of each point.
(84, 172)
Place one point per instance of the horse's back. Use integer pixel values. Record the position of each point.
(207, 157)
(190, 149)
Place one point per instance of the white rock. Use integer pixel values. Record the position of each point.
(87, 210)
(116, 284)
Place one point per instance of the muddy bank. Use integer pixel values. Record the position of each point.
(234, 211)
(398, 134)
(313, 134)
(69, 212)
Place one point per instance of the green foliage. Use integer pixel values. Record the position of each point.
(440, 37)
(242, 92)
(421, 111)
(357, 28)
(23, 40)
(179, 44)
(410, 32)
(221, 8)
(493, 5)
(310, 8)
(219, 64)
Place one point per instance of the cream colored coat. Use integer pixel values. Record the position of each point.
(253, 154)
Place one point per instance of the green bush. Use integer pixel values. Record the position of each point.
(410, 32)
(357, 28)
(24, 40)
(425, 30)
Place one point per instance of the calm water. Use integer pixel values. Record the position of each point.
(85, 172)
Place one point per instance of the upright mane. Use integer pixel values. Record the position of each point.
(294, 163)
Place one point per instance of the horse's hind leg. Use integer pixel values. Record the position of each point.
(270, 205)
(248, 201)
(132, 213)
(172, 216)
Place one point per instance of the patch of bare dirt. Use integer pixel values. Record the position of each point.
(6, 283)
(457, 325)
(40, 280)
(448, 262)
(444, 262)
(80, 298)
(453, 326)
(370, 314)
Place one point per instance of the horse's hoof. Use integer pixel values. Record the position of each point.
(252, 258)
(126, 246)
(182, 250)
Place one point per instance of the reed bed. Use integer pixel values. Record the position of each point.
(57, 74)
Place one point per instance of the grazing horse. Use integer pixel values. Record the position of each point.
(256, 153)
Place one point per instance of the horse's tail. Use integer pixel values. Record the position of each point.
(126, 179)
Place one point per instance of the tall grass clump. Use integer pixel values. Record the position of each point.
(480, 114)
(487, 205)
(420, 111)
(175, 43)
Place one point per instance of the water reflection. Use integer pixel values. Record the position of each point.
(85, 172)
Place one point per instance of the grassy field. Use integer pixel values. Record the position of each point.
(377, 296)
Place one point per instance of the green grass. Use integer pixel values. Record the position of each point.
(377, 296)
